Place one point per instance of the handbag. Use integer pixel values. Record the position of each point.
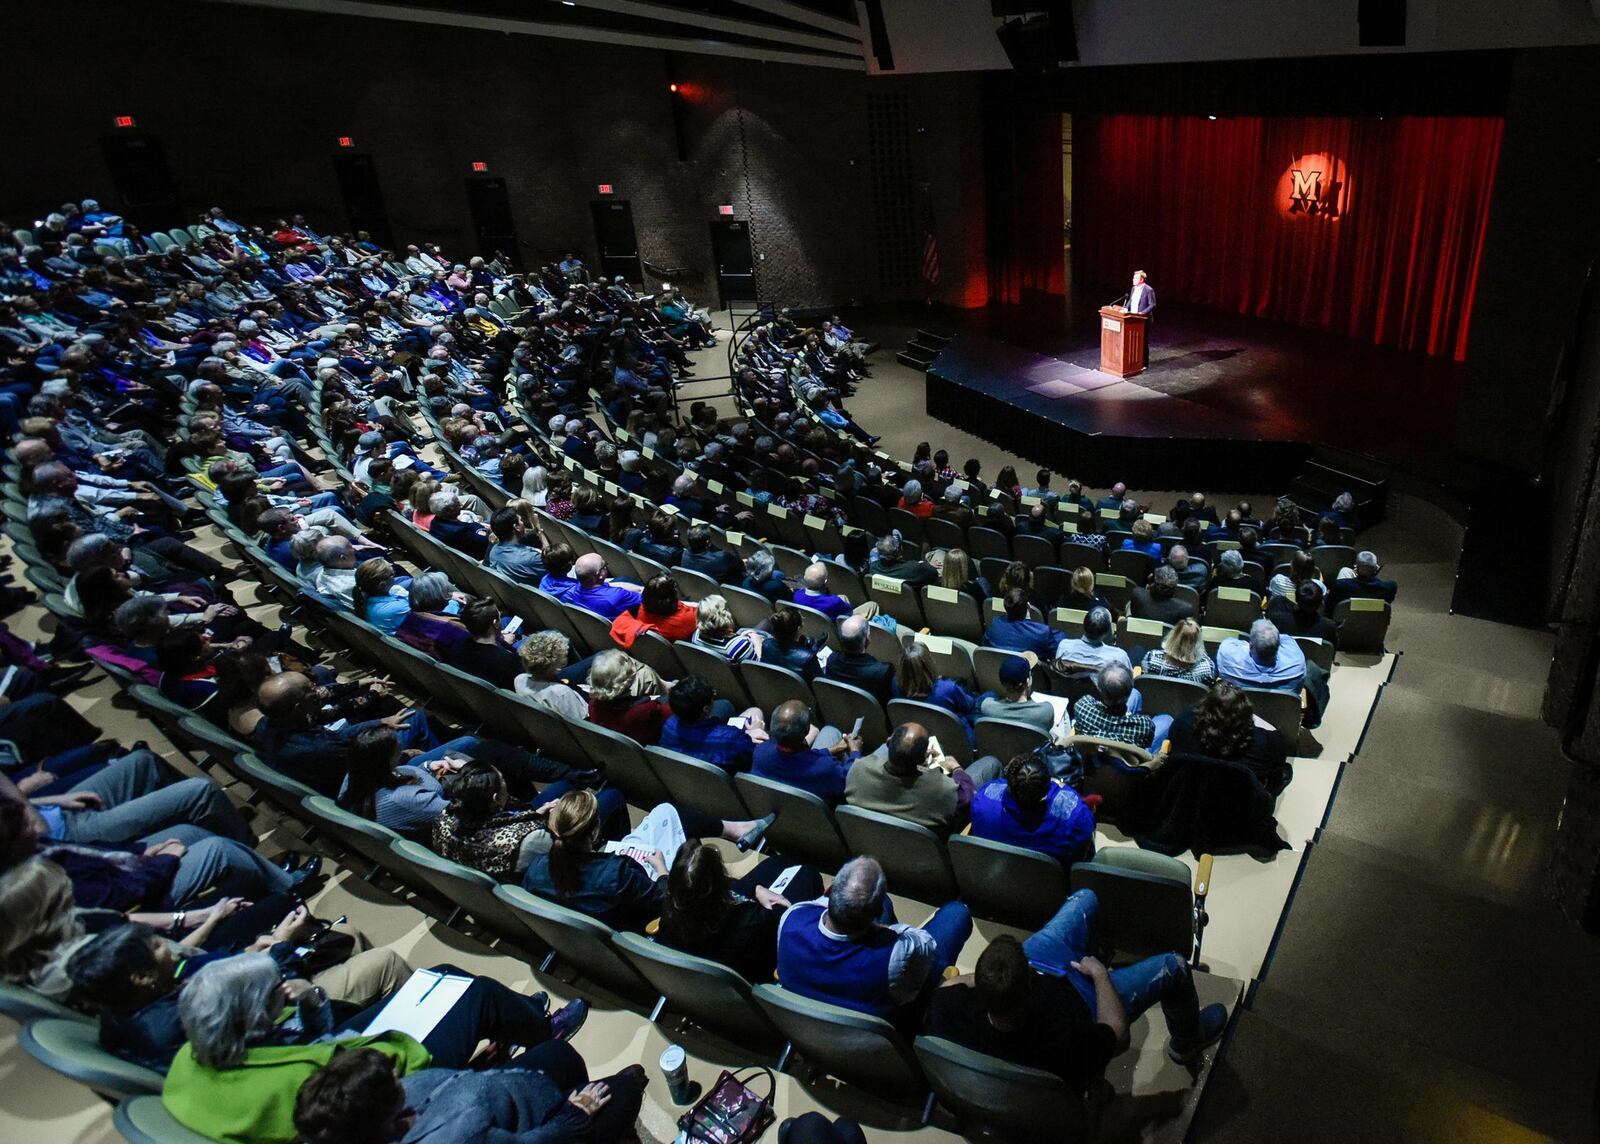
(731, 1113)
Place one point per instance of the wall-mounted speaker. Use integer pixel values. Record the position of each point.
(1043, 39)
(1382, 23)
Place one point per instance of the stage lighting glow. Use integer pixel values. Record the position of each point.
(1213, 118)
(1314, 186)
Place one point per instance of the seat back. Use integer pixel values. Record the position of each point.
(939, 722)
(72, 1048)
(1007, 738)
(750, 609)
(952, 658)
(1146, 905)
(22, 1005)
(769, 685)
(1034, 551)
(461, 887)
(1363, 624)
(278, 788)
(987, 1091)
(706, 992)
(855, 1047)
(1136, 636)
(985, 542)
(715, 667)
(1116, 588)
(842, 704)
(1232, 608)
(1333, 558)
(1075, 554)
(952, 613)
(352, 832)
(986, 663)
(1118, 773)
(912, 856)
(1131, 563)
(694, 782)
(145, 1120)
(1281, 709)
(1164, 695)
(804, 830)
(625, 763)
(1319, 652)
(657, 652)
(695, 585)
(897, 598)
(594, 630)
(585, 943)
(1007, 883)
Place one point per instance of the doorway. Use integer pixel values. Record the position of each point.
(619, 246)
(490, 203)
(139, 172)
(736, 266)
(363, 197)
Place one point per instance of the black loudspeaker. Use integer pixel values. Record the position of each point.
(1040, 42)
(1382, 23)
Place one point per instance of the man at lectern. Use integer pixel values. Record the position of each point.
(1142, 300)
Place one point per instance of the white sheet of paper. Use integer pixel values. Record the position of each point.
(781, 882)
(420, 1004)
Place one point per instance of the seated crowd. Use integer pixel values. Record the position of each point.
(138, 895)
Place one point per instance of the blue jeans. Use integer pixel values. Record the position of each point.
(950, 927)
(1163, 722)
(1164, 977)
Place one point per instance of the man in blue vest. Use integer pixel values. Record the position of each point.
(848, 950)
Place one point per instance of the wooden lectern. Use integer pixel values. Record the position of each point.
(1121, 341)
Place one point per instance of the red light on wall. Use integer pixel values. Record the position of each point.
(479, 165)
(123, 121)
(725, 209)
(346, 141)
(605, 188)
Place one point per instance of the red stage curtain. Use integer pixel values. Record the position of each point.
(1023, 203)
(1202, 205)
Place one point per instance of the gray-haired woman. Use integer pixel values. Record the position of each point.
(237, 1077)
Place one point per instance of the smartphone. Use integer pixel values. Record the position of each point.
(514, 626)
(856, 730)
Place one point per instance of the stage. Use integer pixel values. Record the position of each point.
(1225, 402)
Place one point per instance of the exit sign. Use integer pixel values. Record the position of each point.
(346, 141)
(123, 120)
(479, 165)
(725, 209)
(605, 188)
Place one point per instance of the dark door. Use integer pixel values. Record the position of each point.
(363, 197)
(491, 218)
(736, 267)
(139, 172)
(619, 246)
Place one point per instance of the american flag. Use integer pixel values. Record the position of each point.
(930, 240)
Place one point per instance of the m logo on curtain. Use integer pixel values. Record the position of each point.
(1305, 194)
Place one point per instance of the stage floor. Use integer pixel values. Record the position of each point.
(1220, 389)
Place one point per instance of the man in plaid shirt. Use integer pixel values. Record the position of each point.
(1114, 712)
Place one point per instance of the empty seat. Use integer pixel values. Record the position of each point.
(855, 1047)
(1363, 624)
(1147, 905)
(72, 1048)
(708, 993)
(805, 829)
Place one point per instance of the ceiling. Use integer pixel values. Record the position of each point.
(822, 33)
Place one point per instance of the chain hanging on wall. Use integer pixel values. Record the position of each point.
(749, 199)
